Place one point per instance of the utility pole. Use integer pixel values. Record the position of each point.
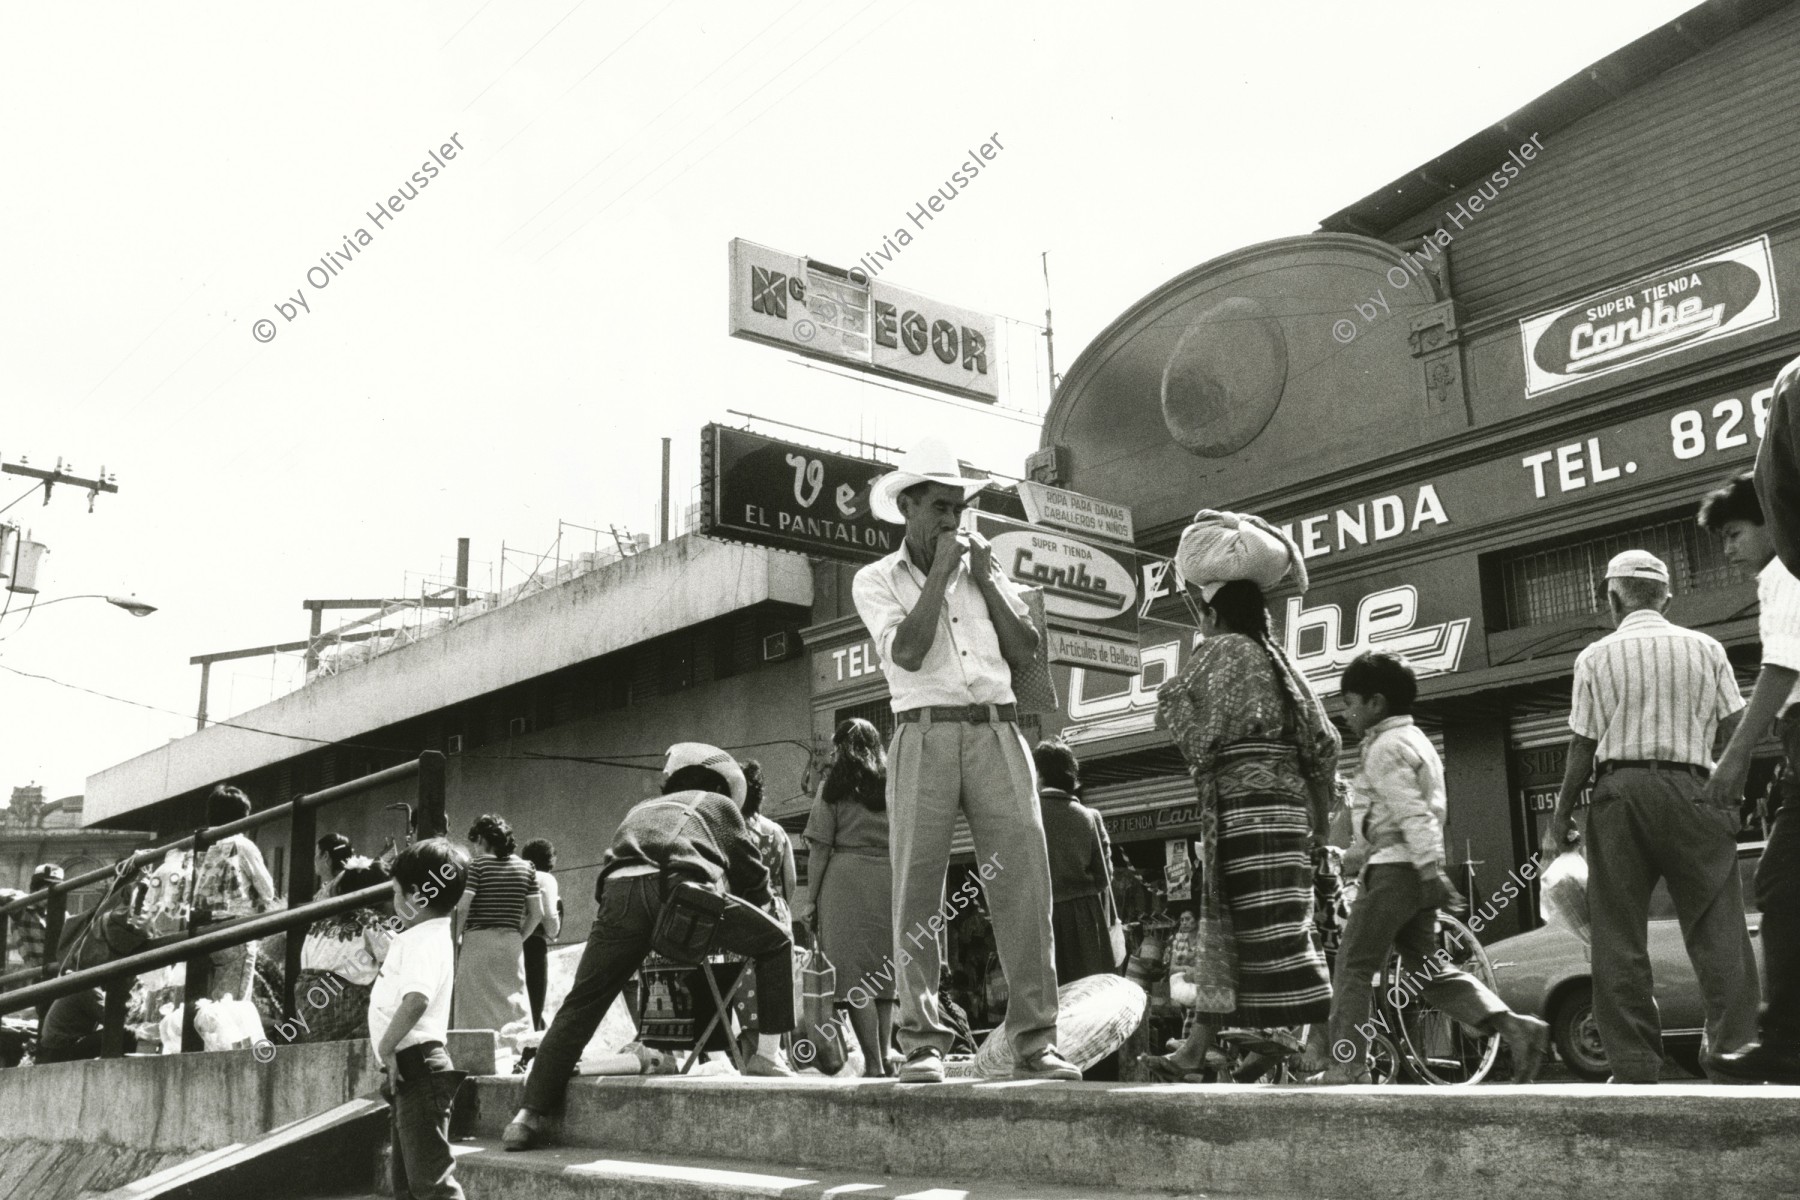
(64, 473)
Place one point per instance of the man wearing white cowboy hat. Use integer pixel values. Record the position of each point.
(950, 628)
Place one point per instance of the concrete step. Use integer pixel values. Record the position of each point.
(1500, 1142)
(486, 1170)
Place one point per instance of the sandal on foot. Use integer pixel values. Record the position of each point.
(1162, 1068)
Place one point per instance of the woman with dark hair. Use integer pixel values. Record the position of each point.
(1080, 867)
(850, 886)
(333, 852)
(499, 907)
(231, 881)
(340, 959)
(541, 854)
(777, 848)
(1263, 757)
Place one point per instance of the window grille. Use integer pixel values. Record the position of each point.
(1566, 578)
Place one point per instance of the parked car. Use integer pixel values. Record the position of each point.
(1546, 973)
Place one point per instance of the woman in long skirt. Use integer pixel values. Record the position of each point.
(850, 886)
(1080, 868)
(1263, 757)
(501, 904)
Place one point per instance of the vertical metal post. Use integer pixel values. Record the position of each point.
(462, 575)
(55, 909)
(302, 837)
(312, 642)
(665, 493)
(5, 924)
(429, 816)
(112, 1041)
(205, 678)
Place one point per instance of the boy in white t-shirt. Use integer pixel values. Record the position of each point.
(409, 1015)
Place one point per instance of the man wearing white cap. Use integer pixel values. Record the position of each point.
(1649, 700)
(693, 833)
(950, 629)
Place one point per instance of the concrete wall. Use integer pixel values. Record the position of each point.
(673, 586)
(578, 805)
(71, 1128)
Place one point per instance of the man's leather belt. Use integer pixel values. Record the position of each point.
(974, 714)
(1652, 764)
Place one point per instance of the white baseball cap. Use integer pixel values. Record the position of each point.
(1637, 564)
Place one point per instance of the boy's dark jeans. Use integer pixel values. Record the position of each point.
(423, 1166)
(616, 948)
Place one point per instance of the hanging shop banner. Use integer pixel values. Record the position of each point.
(768, 492)
(1707, 298)
(1085, 515)
(822, 312)
(1090, 590)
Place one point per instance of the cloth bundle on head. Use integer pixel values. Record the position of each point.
(1222, 546)
(699, 754)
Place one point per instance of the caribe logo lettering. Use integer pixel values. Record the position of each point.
(1384, 622)
(1080, 582)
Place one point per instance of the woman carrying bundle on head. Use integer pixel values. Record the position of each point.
(1263, 757)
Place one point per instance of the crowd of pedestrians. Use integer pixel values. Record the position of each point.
(1651, 703)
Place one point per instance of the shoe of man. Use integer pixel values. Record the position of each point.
(1761, 1063)
(774, 1068)
(527, 1129)
(1046, 1064)
(924, 1065)
(1529, 1040)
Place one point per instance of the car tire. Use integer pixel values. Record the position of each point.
(1576, 1035)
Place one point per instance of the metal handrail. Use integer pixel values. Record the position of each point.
(189, 946)
(429, 821)
(219, 832)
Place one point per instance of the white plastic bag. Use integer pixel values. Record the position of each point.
(1564, 891)
(227, 1024)
(170, 1029)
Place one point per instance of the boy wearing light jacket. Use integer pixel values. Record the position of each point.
(1397, 798)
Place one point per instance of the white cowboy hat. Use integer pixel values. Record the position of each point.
(930, 461)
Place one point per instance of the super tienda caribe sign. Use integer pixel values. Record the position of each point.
(811, 308)
(1701, 300)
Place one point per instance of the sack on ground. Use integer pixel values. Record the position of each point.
(1094, 1016)
(1564, 890)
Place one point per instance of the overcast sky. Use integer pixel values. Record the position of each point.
(510, 349)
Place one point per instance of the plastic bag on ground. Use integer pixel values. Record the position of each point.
(1564, 892)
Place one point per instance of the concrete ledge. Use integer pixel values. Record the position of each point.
(184, 1103)
(1528, 1143)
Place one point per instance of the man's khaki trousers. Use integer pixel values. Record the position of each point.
(935, 771)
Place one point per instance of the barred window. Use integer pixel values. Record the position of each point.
(1567, 577)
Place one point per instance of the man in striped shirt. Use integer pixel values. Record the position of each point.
(1649, 699)
(1736, 515)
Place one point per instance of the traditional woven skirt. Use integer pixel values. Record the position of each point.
(1267, 880)
(490, 981)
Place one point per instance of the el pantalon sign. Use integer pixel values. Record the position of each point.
(820, 311)
(769, 492)
(1701, 300)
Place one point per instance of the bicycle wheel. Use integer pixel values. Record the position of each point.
(1438, 1049)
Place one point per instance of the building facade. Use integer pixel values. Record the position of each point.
(1462, 395)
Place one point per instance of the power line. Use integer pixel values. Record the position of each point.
(647, 125)
(606, 760)
(715, 124)
(515, 62)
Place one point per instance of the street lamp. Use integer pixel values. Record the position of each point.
(130, 604)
